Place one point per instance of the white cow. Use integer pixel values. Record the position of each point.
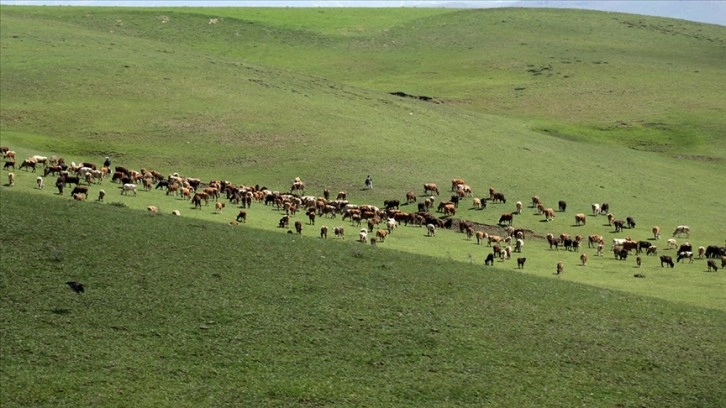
(128, 187)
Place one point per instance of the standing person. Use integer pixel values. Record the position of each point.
(369, 182)
(107, 162)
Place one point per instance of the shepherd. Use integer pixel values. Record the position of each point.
(369, 182)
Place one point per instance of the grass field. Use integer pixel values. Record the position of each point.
(578, 106)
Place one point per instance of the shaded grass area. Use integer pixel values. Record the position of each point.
(181, 311)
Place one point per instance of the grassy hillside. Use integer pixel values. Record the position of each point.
(577, 106)
(182, 312)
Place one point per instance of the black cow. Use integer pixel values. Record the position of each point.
(631, 222)
(390, 204)
(713, 251)
(643, 245)
(665, 259)
(621, 253)
(9, 164)
(619, 225)
(685, 248)
(562, 205)
(489, 260)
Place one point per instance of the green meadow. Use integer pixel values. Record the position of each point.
(586, 107)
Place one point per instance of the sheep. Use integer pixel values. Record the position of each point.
(656, 232)
(218, 207)
(39, 182)
(431, 230)
(363, 235)
(176, 213)
(11, 179)
(101, 195)
(153, 209)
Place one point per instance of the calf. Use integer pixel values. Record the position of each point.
(323, 232)
(339, 232)
(580, 219)
(712, 265)
(685, 255)
(630, 221)
(490, 260)
(242, 216)
(666, 260)
(520, 262)
(562, 205)
(298, 227)
(560, 267)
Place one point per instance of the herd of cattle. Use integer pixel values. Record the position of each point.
(380, 223)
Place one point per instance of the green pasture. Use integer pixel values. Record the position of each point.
(586, 107)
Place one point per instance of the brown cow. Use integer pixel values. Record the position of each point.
(506, 218)
(431, 188)
(580, 219)
(410, 197)
(560, 267)
(298, 227)
(583, 259)
(712, 265)
(323, 232)
(549, 214)
(242, 216)
(381, 235)
(455, 182)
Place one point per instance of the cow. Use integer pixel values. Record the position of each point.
(80, 190)
(549, 214)
(498, 197)
(339, 232)
(431, 230)
(127, 188)
(39, 182)
(519, 243)
(11, 179)
(583, 259)
(712, 265)
(685, 255)
(687, 247)
(520, 263)
(219, 206)
(324, 232)
(242, 216)
(643, 245)
(298, 186)
(29, 164)
(595, 209)
(363, 235)
(489, 260)
(455, 183)
(381, 235)
(713, 251)
(101, 195)
(666, 260)
(620, 253)
(390, 204)
(653, 250)
(580, 219)
(594, 240)
(656, 232)
(605, 208)
(9, 164)
(298, 227)
(672, 244)
(682, 229)
(410, 197)
(518, 207)
(630, 222)
(536, 201)
(554, 242)
(560, 267)
(562, 205)
(430, 188)
(701, 252)
(506, 218)
(449, 209)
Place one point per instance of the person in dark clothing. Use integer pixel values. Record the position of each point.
(107, 162)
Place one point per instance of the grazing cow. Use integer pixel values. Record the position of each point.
(410, 197)
(298, 227)
(562, 205)
(583, 259)
(391, 224)
(520, 263)
(101, 195)
(630, 221)
(431, 230)
(652, 250)
(536, 201)
(9, 164)
(242, 216)
(8, 154)
(218, 207)
(656, 232)
(620, 253)
(712, 265)
(672, 244)
(629, 245)
(489, 260)
(464, 190)
(284, 221)
(298, 186)
(324, 232)
(127, 188)
(11, 179)
(519, 243)
(311, 216)
(595, 209)
(506, 218)
(27, 163)
(643, 245)
(713, 251)
(560, 267)
(480, 236)
(80, 190)
(611, 218)
(600, 249)
(341, 195)
(499, 197)
(449, 209)
(619, 225)
(685, 255)
(363, 235)
(518, 207)
(390, 204)
(197, 201)
(701, 252)
(594, 240)
(339, 232)
(687, 247)
(580, 219)
(549, 214)
(682, 229)
(381, 235)
(667, 260)
(455, 183)
(605, 208)
(431, 188)
(152, 209)
(638, 261)
(554, 242)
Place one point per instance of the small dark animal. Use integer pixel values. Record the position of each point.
(631, 222)
(76, 286)
(489, 260)
(639, 275)
(712, 265)
(562, 205)
(520, 262)
(665, 259)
